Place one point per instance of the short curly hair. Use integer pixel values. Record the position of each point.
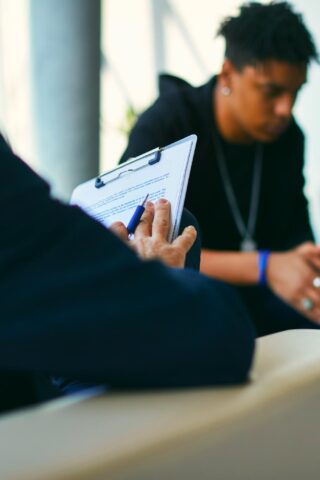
(267, 31)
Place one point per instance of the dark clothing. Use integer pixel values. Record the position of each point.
(68, 386)
(282, 216)
(16, 390)
(282, 220)
(75, 301)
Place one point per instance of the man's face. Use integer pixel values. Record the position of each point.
(263, 96)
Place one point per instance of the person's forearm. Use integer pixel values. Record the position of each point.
(240, 268)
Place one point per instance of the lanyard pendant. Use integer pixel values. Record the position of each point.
(248, 245)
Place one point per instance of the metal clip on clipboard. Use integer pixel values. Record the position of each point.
(153, 157)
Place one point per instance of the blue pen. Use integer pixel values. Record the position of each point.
(135, 219)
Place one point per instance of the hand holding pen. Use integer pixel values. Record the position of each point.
(151, 236)
(135, 219)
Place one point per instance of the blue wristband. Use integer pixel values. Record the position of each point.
(263, 256)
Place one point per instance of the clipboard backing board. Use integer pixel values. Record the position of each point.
(161, 173)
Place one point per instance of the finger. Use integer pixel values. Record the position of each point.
(186, 239)
(306, 248)
(313, 315)
(144, 228)
(120, 230)
(312, 280)
(308, 274)
(310, 252)
(313, 296)
(162, 215)
(314, 262)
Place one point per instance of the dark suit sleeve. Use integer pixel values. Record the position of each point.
(76, 301)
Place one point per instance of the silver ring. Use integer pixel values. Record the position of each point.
(307, 303)
(316, 282)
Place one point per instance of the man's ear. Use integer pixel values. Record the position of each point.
(227, 72)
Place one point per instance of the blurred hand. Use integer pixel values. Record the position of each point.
(290, 275)
(151, 236)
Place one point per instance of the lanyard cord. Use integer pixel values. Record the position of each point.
(245, 231)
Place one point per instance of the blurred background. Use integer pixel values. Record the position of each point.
(56, 53)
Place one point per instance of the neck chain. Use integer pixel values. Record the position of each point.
(248, 244)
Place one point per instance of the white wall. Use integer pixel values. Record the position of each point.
(15, 93)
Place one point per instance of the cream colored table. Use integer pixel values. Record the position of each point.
(268, 429)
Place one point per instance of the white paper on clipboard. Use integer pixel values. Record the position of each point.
(161, 173)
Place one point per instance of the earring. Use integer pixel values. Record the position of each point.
(226, 91)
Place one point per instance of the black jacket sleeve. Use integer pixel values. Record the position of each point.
(76, 301)
(163, 123)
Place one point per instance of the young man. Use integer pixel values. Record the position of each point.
(246, 185)
(77, 302)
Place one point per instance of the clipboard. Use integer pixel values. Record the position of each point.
(160, 173)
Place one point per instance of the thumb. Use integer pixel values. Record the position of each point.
(186, 239)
